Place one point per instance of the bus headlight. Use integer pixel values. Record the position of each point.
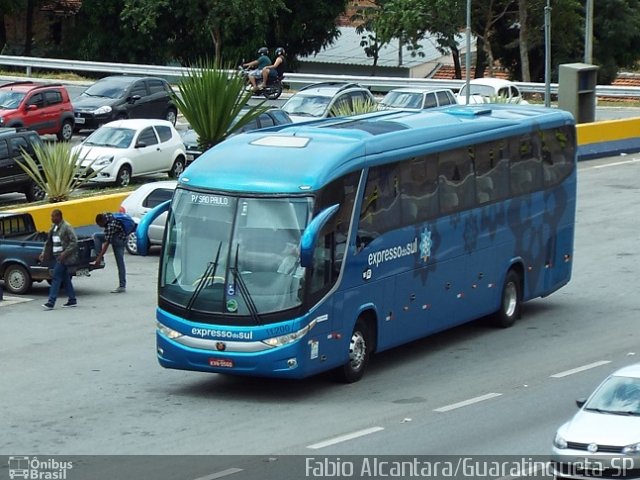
(168, 332)
(289, 337)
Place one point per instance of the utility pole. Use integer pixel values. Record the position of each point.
(468, 57)
(588, 33)
(547, 55)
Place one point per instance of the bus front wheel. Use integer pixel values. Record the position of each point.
(360, 346)
(511, 301)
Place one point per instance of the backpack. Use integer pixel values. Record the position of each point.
(128, 224)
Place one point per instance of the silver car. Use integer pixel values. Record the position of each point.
(602, 440)
(142, 200)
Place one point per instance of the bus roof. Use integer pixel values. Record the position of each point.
(301, 157)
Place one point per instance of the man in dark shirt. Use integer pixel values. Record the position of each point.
(115, 236)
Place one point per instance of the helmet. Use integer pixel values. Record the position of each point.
(279, 51)
(263, 51)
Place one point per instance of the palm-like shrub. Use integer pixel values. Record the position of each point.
(359, 107)
(211, 99)
(56, 169)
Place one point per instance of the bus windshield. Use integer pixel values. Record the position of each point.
(235, 256)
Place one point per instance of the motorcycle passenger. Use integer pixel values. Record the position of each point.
(271, 72)
(258, 65)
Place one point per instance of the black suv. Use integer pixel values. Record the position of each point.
(12, 177)
(119, 97)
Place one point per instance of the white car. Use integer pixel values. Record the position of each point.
(142, 200)
(490, 90)
(417, 98)
(604, 435)
(125, 149)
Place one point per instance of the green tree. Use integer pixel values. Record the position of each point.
(211, 100)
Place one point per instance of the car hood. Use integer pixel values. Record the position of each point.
(7, 111)
(89, 153)
(91, 103)
(602, 429)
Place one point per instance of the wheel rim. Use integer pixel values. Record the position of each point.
(16, 280)
(171, 117)
(357, 350)
(67, 131)
(124, 177)
(178, 168)
(132, 244)
(510, 301)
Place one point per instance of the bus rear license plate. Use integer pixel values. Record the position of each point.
(221, 362)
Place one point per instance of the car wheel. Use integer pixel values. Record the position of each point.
(511, 300)
(34, 193)
(171, 116)
(124, 176)
(17, 279)
(132, 244)
(177, 168)
(360, 346)
(66, 132)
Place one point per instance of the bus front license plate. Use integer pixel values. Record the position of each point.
(221, 362)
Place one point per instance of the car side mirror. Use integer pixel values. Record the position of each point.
(32, 107)
(134, 98)
(140, 144)
(580, 402)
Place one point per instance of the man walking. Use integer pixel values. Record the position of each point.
(60, 249)
(115, 236)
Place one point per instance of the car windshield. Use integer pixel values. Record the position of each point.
(402, 100)
(107, 89)
(111, 137)
(235, 256)
(10, 99)
(477, 89)
(617, 395)
(190, 137)
(307, 105)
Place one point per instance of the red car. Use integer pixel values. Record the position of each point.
(45, 108)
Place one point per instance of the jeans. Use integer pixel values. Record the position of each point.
(61, 276)
(118, 253)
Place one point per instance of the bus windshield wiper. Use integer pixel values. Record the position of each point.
(244, 291)
(207, 278)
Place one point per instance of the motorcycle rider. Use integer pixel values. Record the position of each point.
(271, 72)
(258, 65)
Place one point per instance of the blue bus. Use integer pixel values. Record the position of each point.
(307, 248)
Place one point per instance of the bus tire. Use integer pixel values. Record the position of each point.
(360, 346)
(510, 301)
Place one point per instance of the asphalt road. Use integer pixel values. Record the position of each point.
(85, 381)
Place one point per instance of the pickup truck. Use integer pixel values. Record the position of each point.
(20, 248)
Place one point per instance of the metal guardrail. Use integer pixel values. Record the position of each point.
(294, 79)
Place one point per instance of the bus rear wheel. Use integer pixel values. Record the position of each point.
(511, 301)
(360, 346)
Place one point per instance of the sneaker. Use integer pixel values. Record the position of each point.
(48, 306)
(70, 304)
(119, 290)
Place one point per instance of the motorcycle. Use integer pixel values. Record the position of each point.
(271, 91)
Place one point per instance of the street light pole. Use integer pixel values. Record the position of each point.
(468, 57)
(547, 55)
(588, 33)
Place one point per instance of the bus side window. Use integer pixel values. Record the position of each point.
(526, 164)
(558, 150)
(419, 189)
(492, 171)
(381, 209)
(456, 180)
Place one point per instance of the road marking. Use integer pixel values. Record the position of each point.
(344, 438)
(465, 403)
(11, 300)
(579, 369)
(223, 473)
(615, 164)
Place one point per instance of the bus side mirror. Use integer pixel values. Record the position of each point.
(142, 232)
(310, 234)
